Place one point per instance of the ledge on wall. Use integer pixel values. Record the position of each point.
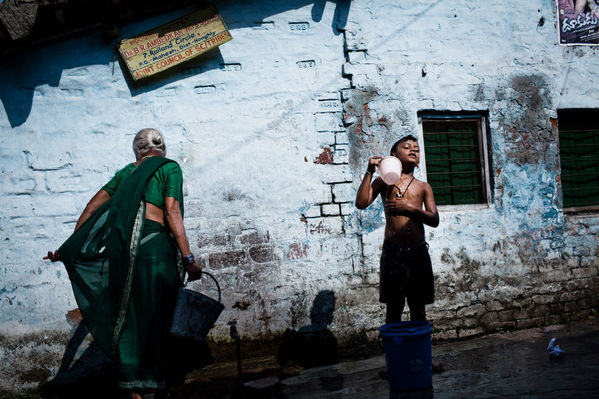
(463, 208)
(582, 210)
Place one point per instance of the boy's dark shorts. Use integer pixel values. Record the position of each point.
(406, 272)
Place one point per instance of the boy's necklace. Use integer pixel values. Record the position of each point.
(400, 194)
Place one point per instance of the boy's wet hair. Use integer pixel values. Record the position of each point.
(409, 137)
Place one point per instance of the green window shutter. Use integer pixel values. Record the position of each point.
(453, 160)
(579, 157)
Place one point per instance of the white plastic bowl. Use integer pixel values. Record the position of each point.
(389, 169)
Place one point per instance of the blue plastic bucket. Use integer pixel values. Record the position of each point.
(408, 354)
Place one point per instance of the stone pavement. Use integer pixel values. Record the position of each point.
(510, 365)
(502, 365)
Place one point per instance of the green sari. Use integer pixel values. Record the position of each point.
(125, 274)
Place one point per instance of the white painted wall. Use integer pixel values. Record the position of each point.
(247, 124)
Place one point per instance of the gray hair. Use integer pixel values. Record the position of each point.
(147, 141)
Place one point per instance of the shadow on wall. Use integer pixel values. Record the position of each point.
(25, 70)
(248, 13)
(340, 17)
(312, 345)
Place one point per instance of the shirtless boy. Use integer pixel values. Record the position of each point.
(406, 270)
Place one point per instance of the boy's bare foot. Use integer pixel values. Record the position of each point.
(135, 395)
(438, 368)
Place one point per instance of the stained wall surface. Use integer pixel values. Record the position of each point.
(273, 132)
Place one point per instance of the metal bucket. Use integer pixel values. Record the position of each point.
(195, 313)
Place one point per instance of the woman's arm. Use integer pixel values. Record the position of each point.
(96, 202)
(92, 206)
(174, 221)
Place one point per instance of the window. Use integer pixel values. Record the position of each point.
(455, 148)
(579, 156)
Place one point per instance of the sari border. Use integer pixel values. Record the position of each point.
(133, 247)
(143, 384)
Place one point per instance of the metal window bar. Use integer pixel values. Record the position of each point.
(463, 172)
(580, 130)
(594, 174)
(459, 160)
(576, 157)
(441, 133)
(593, 189)
(478, 134)
(453, 146)
(461, 186)
(578, 145)
(579, 163)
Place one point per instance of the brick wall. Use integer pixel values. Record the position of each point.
(518, 262)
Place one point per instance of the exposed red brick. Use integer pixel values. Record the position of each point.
(218, 239)
(326, 157)
(261, 254)
(226, 259)
(358, 127)
(252, 238)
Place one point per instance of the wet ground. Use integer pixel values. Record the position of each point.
(503, 365)
(510, 365)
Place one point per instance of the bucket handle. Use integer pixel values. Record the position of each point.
(213, 279)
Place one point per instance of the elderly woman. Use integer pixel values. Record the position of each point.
(122, 260)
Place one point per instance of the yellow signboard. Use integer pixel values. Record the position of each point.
(174, 43)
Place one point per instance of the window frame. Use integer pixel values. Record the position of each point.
(481, 119)
(579, 210)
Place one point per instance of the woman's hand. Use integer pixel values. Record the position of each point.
(373, 162)
(397, 206)
(53, 256)
(194, 271)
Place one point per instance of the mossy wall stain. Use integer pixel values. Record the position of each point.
(30, 359)
(529, 134)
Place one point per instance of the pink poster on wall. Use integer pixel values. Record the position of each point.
(578, 22)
